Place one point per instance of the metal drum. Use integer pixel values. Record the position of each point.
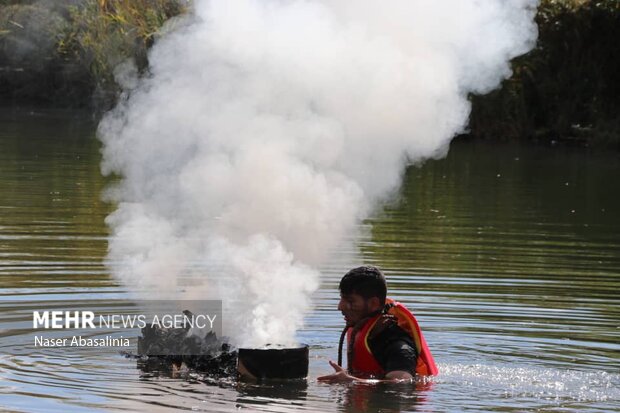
(273, 363)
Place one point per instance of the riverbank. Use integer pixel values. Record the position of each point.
(65, 54)
(567, 89)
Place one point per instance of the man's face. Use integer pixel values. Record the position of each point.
(354, 307)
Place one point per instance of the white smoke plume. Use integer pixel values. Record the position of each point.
(267, 129)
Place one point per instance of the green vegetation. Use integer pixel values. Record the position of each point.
(64, 52)
(568, 87)
(107, 32)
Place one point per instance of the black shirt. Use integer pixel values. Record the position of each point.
(392, 347)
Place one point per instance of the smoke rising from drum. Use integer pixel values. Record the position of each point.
(266, 130)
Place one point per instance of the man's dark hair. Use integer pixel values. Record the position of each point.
(367, 281)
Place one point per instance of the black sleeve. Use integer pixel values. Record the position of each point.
(394, 350)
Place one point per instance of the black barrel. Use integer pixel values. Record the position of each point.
(273, 363)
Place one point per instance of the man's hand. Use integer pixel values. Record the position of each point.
(340, 376)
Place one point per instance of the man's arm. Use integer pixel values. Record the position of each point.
(341, 376)
(395, 352)
(397, 358)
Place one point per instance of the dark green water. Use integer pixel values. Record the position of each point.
(508, 254)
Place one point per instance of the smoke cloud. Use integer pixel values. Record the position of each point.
(266, 130)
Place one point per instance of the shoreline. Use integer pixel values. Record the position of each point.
(565, 91)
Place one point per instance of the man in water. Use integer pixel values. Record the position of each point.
(384, 341)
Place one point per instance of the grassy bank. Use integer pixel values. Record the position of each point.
(64, 53)
(568, 87)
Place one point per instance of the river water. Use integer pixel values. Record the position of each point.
(509, 254)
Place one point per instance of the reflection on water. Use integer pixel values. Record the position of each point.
(521, 243)
(509, 255)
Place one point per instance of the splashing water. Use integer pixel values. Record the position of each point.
(560, 385)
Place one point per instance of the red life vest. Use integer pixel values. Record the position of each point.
(364, 363)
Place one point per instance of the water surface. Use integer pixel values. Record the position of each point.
(508, 254)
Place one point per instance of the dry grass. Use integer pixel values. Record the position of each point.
(106, 32)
